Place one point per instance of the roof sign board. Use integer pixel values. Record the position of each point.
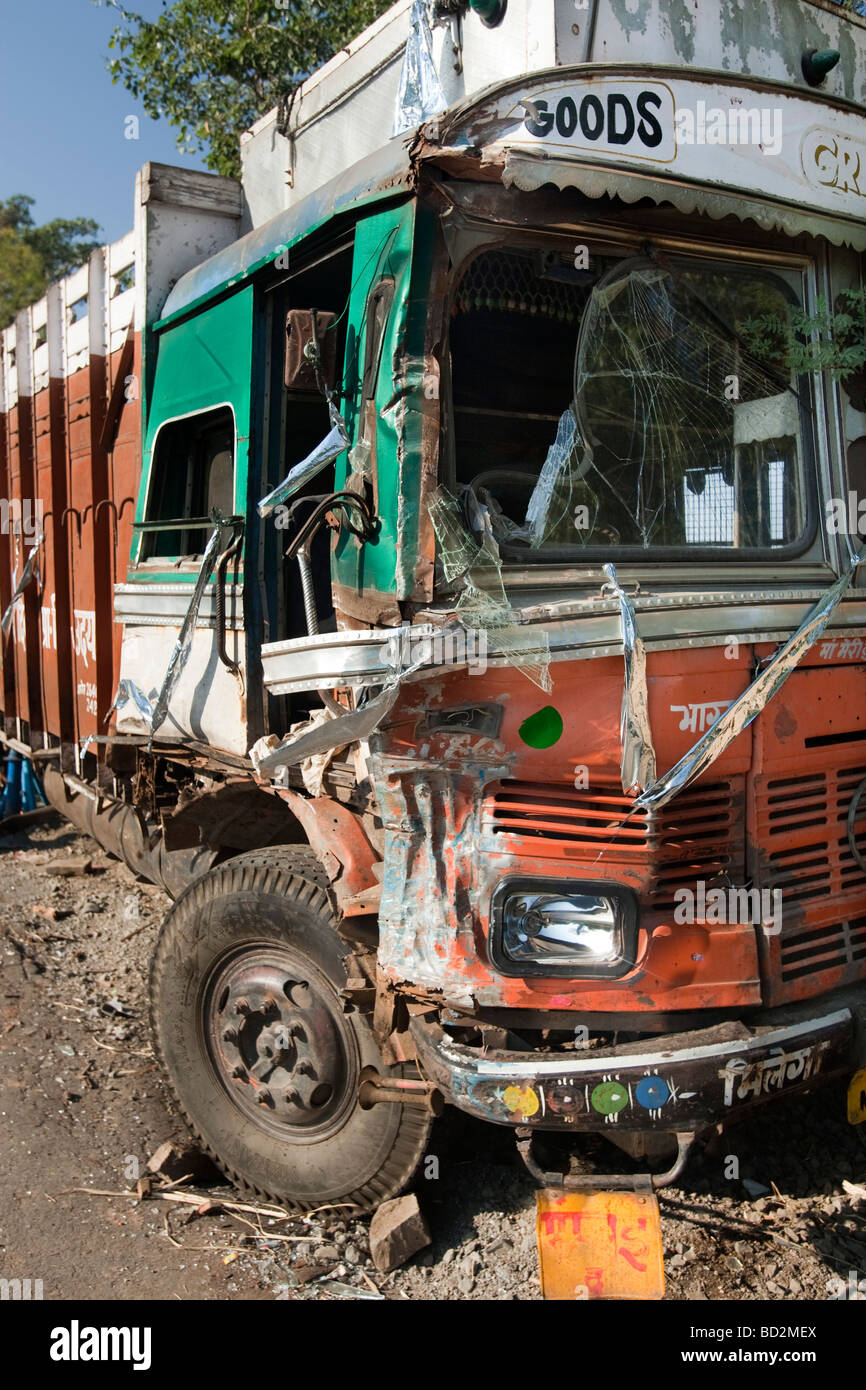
(763, 139)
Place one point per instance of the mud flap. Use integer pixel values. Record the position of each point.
(599, 1245)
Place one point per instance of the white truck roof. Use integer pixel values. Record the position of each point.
(345, 111)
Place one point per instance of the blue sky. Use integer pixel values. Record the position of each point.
(61, 119)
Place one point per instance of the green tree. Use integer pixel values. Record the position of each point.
(32, 258)
(22, 277)
(213, 67)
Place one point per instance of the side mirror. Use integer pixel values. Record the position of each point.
(311, 350)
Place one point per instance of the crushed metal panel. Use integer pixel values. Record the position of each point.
(361, 659)
(334, 443)
(327, 660)
(180, 651)
(319, 735)
(383, 567)
(341, 843)
(432, 819)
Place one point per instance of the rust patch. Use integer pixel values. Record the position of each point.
(338, 838)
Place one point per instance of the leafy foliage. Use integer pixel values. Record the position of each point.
(830, 340)
(22, 278)
(32, 258)
(213, 67)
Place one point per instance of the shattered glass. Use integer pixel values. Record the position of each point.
(562, 488)
(668, 430)
(660, 386)
(483, 605)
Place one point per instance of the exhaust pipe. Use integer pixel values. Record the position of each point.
(395, 1090)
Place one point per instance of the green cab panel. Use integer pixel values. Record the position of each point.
(202, 362)
(390, 250)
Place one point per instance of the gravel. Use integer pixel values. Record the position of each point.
(759, 1214)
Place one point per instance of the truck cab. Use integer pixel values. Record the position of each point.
(493, 630)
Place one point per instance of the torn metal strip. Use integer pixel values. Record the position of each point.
(324, 453)
(752, 701)
(30, 571)
(128, 691)
(343, 729)
(335, 733)
(313, 767)
(420, 93)
(180, 651)
(638, 763)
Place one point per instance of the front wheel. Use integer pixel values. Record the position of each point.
(250, 1027)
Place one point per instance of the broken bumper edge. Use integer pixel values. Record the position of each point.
(681, 1082)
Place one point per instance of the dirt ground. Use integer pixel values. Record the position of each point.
(764, 1215)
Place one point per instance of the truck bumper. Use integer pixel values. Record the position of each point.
(681, 1082)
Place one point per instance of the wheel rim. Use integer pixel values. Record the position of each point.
(279, 1043)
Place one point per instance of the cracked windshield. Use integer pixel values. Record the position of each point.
(639, 407)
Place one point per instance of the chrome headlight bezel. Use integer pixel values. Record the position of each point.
(626, 908)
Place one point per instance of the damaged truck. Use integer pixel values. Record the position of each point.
(447, 584)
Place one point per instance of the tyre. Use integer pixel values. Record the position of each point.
(250, 1028)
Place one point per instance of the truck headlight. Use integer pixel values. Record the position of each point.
(545, 927)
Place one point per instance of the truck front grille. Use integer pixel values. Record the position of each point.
(803, 851)
(698, 835)
(798, 845)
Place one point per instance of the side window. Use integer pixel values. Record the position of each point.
(192, 473)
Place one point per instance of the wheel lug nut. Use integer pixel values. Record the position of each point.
(269, 1003)
(291, 1096)
(230, 1035)
(242, 1006)
(305, 1069)
(239, 1072)
(296, 1030)
(264, 1096)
